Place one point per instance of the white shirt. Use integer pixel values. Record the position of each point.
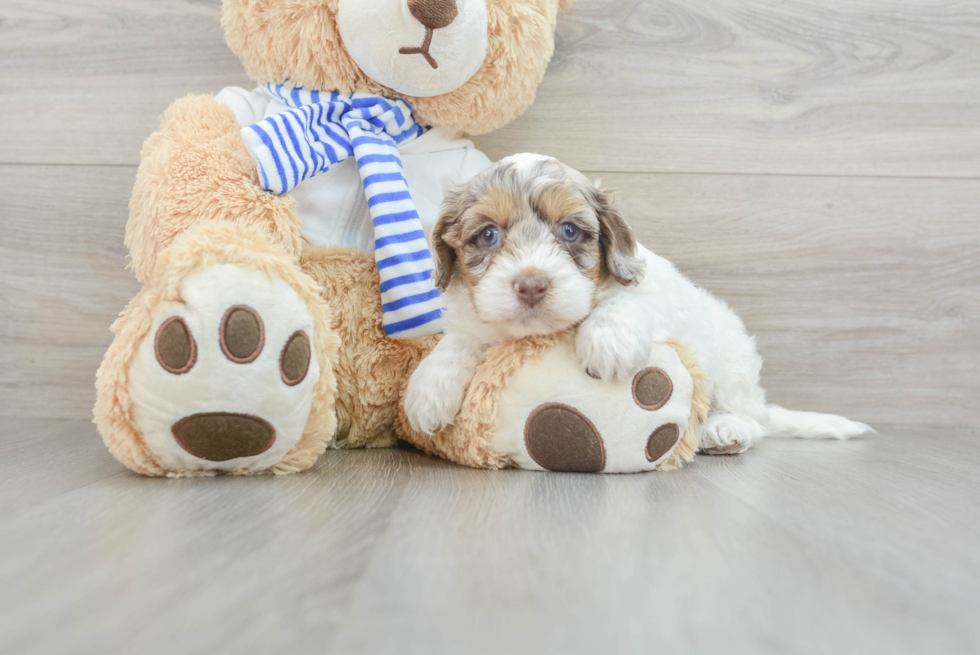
(332, 204)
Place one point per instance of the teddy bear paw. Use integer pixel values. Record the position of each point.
(554, 417)
(224, 381)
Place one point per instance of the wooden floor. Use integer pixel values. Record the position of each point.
(816, 163)
(867, 546)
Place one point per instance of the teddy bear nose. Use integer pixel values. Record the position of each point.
(433, 13)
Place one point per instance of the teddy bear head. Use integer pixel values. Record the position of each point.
(465, 65)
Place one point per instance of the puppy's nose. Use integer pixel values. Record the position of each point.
(531, 285)
(433, 13)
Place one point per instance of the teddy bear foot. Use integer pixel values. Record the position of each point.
(221, 376)
(572, 422)
(224, 382)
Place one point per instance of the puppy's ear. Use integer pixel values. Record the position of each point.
(616, 240)
(445, 237)
(564, 4)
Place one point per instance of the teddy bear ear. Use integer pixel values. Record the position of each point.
(564, 4)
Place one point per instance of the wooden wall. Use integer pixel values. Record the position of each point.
(816, 163)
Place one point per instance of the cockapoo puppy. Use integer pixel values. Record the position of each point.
(531, 246)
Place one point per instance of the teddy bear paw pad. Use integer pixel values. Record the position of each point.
(226, 381)
(662, 441)
(652, 388)
(553, 416)
(220, 436)
(560, 438)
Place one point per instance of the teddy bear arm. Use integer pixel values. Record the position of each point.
(194, 169)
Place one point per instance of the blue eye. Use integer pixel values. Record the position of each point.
(489, 236)
(569, 232)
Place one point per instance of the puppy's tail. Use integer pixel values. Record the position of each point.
(812, 425)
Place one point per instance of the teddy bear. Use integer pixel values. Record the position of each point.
(280, 237)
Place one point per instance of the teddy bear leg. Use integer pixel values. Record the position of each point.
(223, 363)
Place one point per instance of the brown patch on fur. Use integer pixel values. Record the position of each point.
(445, 253)
(596, 274)
(454, 238)
(557, 203)
(616, 240)
(494, 203)
(474, 262)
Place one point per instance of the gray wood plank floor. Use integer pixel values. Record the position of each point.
(867, 546)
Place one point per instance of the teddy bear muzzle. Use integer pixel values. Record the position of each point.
(420, 48)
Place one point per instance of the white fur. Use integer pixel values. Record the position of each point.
(676, 308)
(436, 389)
(568, 301)
(613, 342)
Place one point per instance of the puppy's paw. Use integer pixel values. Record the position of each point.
(727, 434)
(612, 349)
(432, 399)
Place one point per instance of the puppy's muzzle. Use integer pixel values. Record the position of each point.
(531, 286)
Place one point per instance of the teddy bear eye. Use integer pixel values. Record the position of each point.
(569, 232)
(489, 236)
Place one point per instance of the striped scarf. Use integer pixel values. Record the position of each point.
(323, 129)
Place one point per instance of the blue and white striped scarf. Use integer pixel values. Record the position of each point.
(323, 129)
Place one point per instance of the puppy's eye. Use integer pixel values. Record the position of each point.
(569, 232)
(489, 236)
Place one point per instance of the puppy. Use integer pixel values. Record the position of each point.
(531, 247)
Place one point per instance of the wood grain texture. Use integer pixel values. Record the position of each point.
(86, 82)
(795, 547)
(868, 87)
(863, 293)
(62, 283)
(876, 87)
(786, 119)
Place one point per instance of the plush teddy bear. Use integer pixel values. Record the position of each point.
(279, 234)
